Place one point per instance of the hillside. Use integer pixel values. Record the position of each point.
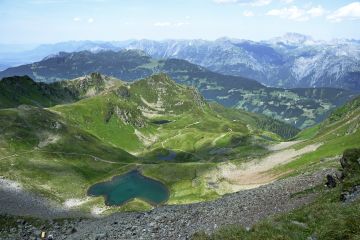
(154, 125)
(15, 91)
(168, 132)
(46, 154)
(340, 131)
(158, 103)
(179, 120)
(314, 220)
(342, 122)
(336, 201)
(299, 107)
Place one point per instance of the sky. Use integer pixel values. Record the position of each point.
(49, 21)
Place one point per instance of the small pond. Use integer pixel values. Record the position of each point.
(123, 188)
(170, 155)
(159, 122)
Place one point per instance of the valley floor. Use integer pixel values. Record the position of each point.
(182, 221)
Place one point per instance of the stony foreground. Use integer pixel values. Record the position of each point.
(181, 221)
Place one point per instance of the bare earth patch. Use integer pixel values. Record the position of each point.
(282, 145)
(75, 202)
(230, 177)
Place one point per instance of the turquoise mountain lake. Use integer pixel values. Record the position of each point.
(124, 188)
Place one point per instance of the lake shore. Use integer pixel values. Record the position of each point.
(181, 221)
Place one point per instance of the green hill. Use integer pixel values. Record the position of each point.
(156, 114)
(300, 107)
(19, 90)
(46, 153)
(15, 91)
(167, 131)
(108, 127)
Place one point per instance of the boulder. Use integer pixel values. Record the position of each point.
(331, 182)
(350, 162)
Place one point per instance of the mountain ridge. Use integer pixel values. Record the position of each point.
(292, 60)
(300, 107)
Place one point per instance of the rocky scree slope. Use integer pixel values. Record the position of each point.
(181, 222)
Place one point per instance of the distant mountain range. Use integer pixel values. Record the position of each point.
(290, 61)
(299, 107)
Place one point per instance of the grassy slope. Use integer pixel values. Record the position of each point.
(91, 114)
(121, 116)
(15, 91)
(326, 218)
(339, 132)
(77, 142)
(194, 126)
(258, 121)
(47, 154)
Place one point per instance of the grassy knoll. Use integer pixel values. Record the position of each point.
(92, 115)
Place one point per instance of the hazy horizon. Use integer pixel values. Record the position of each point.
(167, 39)
(52, 21)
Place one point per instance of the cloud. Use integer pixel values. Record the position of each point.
(78, 19)
(46, 1)
(287, 1)
(293, 13)
(260, 3)
(226, 1)
(316, 11)
(297, 14)
(180, 24)
(171, 24)
(162, 24)
(248, 14)
(347, 12)
(252, 3)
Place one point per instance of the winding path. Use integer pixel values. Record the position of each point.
(178, 134)
(65, 153)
